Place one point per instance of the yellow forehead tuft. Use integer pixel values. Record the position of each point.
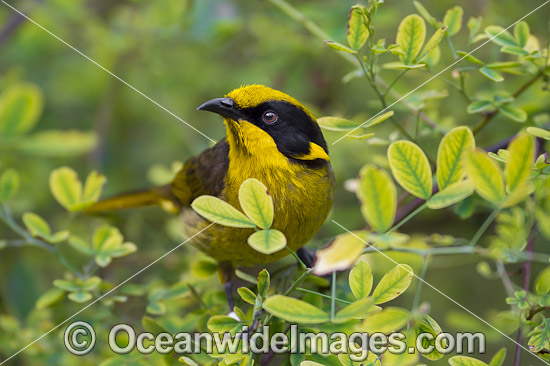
(253, 95)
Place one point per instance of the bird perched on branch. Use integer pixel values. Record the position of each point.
(271, 137)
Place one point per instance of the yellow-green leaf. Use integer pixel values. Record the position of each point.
(357, 31)
(486, 175)
(450, 153)
(66, 187)
(339, 47)
(410, 36)
(542, 283)
(267, 241)
(9, 184)
(465, 361)
(58, 143)
(378, 119)
(92, 188)
(391, 319)
(393, 284)
(411, 168)
(452, 194)
(221, 212)
(479, 106)
(336, 123)
(339, 255)
(425, 14)
(36, 225)
(498, 358)
(294, 310)
(355, 310)
(264, 281)
(453, 20)
(223, 324)
(20, 108)
(520, 161)
(247, 295)
(500, 36)
(49, 298)
(539, 132)
(521, 33)
(378, 197)
(432, 43)
(360, 280)
(256, 202)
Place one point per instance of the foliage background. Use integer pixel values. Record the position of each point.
(181, 53)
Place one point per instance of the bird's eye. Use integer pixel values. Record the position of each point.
(270, 117)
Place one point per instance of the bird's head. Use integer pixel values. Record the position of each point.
(259, 118)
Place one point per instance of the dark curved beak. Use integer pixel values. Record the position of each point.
(225, 107)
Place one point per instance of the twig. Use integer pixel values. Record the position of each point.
(418, 293)
(489, 116)
(526, 280)
(7, 218)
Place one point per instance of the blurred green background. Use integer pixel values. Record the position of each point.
(180, 54)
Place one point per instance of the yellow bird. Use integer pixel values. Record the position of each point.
(270, 136)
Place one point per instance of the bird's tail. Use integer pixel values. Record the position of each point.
(154, 196)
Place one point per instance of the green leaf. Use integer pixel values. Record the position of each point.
(106, 237)
(486, 176)
(36, 225)
(92, 188)
(500, 36)
(410, 36)
(156, 308)
(66, 187)
(450, 153)
(479, 106)
(432, 43)
(356, 310)
(357, 31)
(498, 358)
(294, 310)
(521, 33)
(20, 108)
(9, 184)
(469, 57)
(341, 253)
(378, 197)
(542, 283)
(339, 47)
(473, 25)
(81, 245)
(223, 324)
(187, 361)
(80, 297)
(429, 325)
(49, 298)
(433, 57)
(518, 166)
(263, 283)
(221, 212)
(517, 114)
(59, 236)
(504, 65)
(256, 202)
(378, 119)
(66, 285)
(360, 280)
(391, 319)
(267, 241)
(310, 363)
(336, 123)
(453, 20)
(204, 268)
(411, 168)
(450, 195)
(514, 50)
(425, 14)
(58, 143)
(247, 295)
(491, 74)
(538, 132)
(393, 284)
(465, 361)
